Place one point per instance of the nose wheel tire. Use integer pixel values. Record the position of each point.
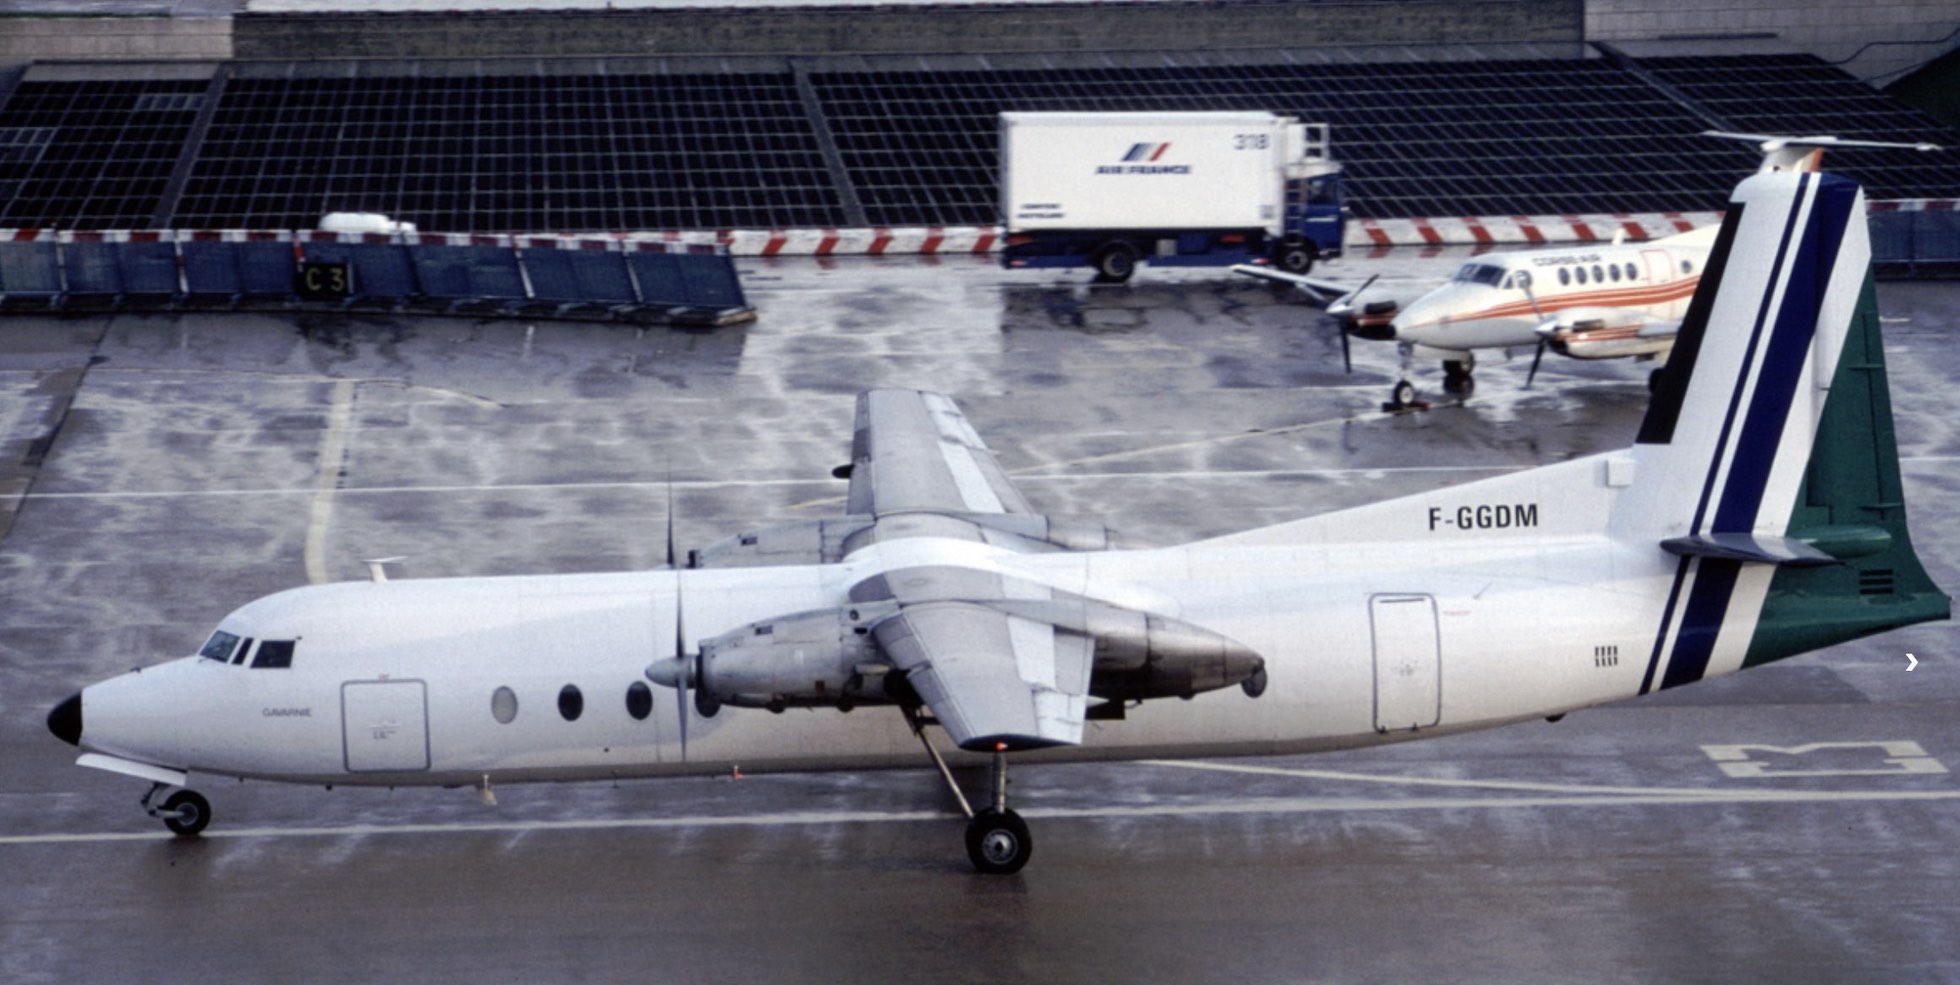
(186, 813)
(1402, 395)
(998, 842)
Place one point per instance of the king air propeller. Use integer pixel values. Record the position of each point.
(1342, 308)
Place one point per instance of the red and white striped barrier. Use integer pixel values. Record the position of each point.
(949, 240)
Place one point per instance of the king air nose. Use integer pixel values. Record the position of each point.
(65, 721)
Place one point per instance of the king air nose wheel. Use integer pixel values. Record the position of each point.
(184, 812)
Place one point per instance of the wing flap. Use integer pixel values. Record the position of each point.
(992, 679)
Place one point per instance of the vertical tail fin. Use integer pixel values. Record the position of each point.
(1767, 461)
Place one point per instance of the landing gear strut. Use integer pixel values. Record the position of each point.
(184, 812)
(997, 840)
(1456, 375)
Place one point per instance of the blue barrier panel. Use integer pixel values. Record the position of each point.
(1936, 237)
(468, 272)
(265, 268)
(90, 269)
(659, 275)
(579, 275)
(381, 270)
(148, 268)
(29, 270)
(711, 282)
(1891, 234)
(211, 269)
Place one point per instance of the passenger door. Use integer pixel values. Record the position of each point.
(1408, 662)
(385, 725)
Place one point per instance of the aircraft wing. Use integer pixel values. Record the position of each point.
(1322, 291)
(914, 452)
(993, 680)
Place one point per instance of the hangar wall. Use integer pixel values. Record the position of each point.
(911, 30)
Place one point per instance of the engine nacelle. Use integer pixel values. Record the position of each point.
(821, 659)
(1139, 655)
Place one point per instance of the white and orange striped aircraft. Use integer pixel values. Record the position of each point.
(1596, 301)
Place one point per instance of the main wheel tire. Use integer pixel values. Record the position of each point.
(1115, 263)
(998, 842)
(186, 813)
(1294, 257)
(1403, 394)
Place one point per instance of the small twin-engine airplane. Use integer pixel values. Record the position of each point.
(1757, 515)
(1587, 302)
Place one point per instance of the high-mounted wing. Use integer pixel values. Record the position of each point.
(993, 680)
(914, 452)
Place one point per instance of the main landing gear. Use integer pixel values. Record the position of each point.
(1457, 381)
(997, 839)
(184, 812)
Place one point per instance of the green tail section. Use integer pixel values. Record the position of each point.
(1852, 506)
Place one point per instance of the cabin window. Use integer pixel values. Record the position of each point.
(503, 705)
(275, 654)
(1581, 274)
(1613, 270)
(571, 703)
(219, 647)
(1687, 266)
(639, 701)
(1564, 276)
(1632, 274)
(1599, 276)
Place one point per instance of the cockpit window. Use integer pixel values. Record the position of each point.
(1480, 273)
(219, 646)
(274, 653)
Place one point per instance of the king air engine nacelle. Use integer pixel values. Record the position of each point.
(831, 658)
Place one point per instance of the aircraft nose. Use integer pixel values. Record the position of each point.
(65, 721)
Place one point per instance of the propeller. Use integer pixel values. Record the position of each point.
(1543, 336)
(1342, 308)
(680, 672)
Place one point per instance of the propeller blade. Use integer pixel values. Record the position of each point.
(1536, 358)
(1347, 351)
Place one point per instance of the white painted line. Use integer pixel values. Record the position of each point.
(333, 453)
(1634, 797)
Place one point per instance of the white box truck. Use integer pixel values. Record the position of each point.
(1110, 190)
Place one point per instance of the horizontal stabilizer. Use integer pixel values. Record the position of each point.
(1750, 548)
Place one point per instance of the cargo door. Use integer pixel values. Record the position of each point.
(1408, 662)
(385, 725)
(1660, 267)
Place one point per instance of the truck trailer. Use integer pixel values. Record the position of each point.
(1111, 190)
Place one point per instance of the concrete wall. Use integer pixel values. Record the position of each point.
(908, 30)
(1906, 32)
(24, 39)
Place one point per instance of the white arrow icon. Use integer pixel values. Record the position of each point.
(1911, 662)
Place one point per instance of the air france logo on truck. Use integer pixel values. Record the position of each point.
(1142, 159)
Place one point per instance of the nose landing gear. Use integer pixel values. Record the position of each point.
(184, 812)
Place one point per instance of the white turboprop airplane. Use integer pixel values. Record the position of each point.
(1587, 302)
(1756, 516)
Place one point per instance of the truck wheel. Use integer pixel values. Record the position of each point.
(1294, 257)
(1115, 263)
